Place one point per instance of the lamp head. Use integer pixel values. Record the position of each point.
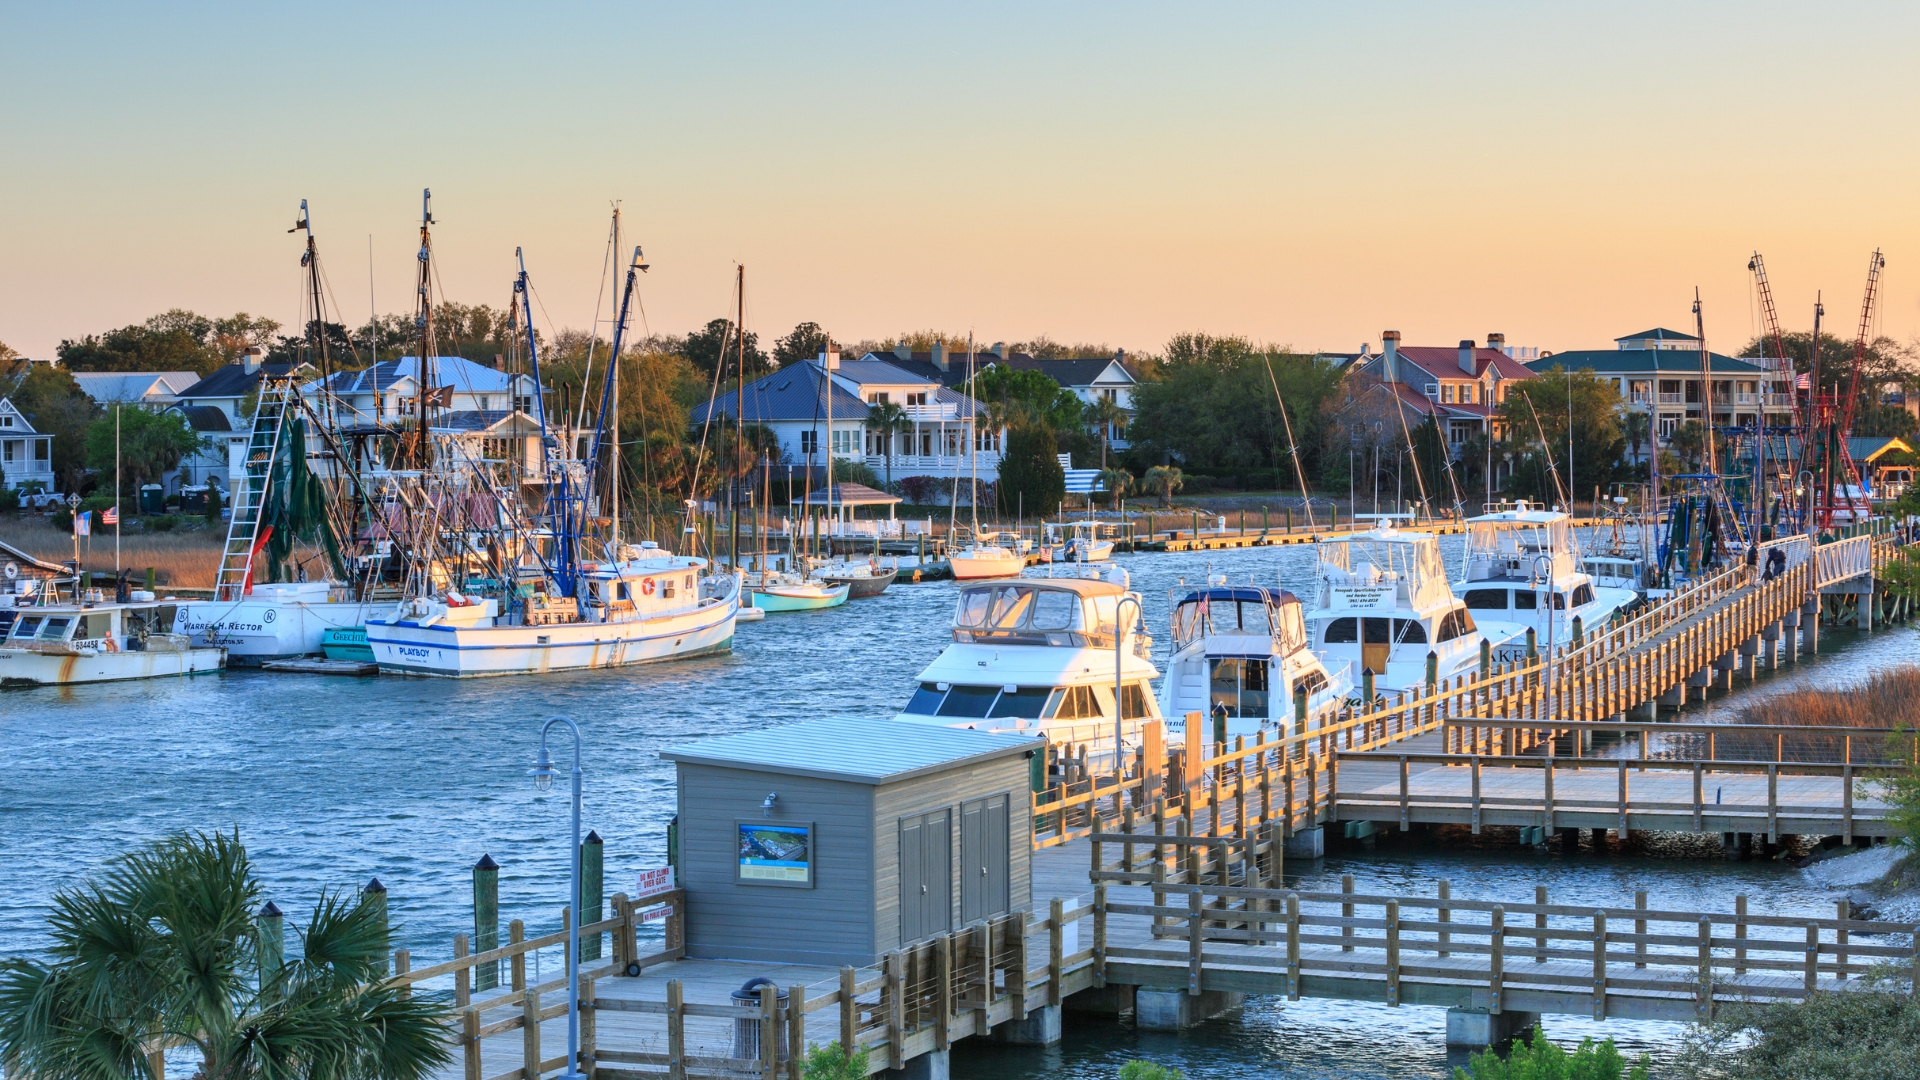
(766, 804)
(543, 771)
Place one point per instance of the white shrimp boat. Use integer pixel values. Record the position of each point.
(1382, 602)
(1524, 571)
(1241, 658)
(65, 644)
(638, 611)
(1037, 656)
(272, 622)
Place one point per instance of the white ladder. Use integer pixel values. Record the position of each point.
(243, 528)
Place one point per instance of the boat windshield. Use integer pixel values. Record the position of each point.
(1240, 611)
(1510, 546)
(1357, 571)
(1018, 614)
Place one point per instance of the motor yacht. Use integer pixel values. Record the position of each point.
(1074, 541)
(1243, 659)
(1524, 571)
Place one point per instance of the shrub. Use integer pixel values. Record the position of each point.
(163, 523)
(63, 519)
(1031, 481)
(830, 1062)
(1860, 1033)
(1539, 1059)
(9, 499)
(1147, 1070)
(213, 504)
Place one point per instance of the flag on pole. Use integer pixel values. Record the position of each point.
(110, 516)
(1803, 382)
(83, 524)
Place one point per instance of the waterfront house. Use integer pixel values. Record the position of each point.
(151, 390)
(1088, 378)
(26, 456)
(219, 408)
(1460, 387)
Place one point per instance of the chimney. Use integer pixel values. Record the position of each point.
(1466, 356)
(999, 349)
(903, 350)
(251, 358)
(1390, 348)
(1497, 342)
(830, 358)
(940, 355)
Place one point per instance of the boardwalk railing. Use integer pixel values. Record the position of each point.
(1786, 744)
(918, 999)
(1531, 957)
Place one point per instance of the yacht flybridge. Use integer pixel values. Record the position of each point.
(1242, 658)
(1038, 655)
(1524, 571)
(1382, 602)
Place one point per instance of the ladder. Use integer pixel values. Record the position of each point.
(243, 528)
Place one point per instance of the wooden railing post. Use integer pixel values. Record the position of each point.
(1393, 953)
(1540, 924)
(530, 1031)
(893, 999)
(1194, 927)
(462, 977)
(1640, 929)
(1056, 947)
(1293, 947)
(677, 1031)
(589, 1026)
(469, 1044)
(943, 991)
(1599, 965)
(797, 1031)
(769, 1030)
(1100, 934)
(1444, 915)
(1346, 913)
(517, 967)
(849, 1010)
(1496, 958)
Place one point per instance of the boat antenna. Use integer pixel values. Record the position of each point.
(1293, 450)
(423, 323)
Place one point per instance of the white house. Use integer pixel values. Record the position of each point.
(388, 392)
(151, 390)
(26, 456)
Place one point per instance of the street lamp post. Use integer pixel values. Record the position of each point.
(1553, 598)
(543, 772)
(1119, 700)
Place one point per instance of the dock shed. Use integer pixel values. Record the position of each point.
(836, 841)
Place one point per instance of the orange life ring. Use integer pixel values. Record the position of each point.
(646, 586)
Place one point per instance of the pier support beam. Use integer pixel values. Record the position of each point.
(1864, 603)
(932, 1065)
(1646, 712)
(1478, 1029)
(1155, 1009)
(1673, 698)
(1040, 1028)
(1307, 844)
(1112, 999)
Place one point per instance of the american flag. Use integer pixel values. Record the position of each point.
(111, 516)
(1803, 383)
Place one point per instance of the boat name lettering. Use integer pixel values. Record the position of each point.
(409, 650)
(222, 624)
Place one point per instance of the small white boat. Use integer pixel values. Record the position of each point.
(775, 591)
(1241, 658)
(638, 611)
(986, 559)
(273, 621)
(64, 644)
(1075, 541)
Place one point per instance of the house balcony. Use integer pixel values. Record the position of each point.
(1673, 399)
(942, 465)
(937, 412)
(1778, 401)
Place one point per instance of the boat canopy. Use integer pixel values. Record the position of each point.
(1374, 569)
(1510, 544)
(1038, 611)
(1270, 613)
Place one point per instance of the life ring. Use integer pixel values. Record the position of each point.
(646, 586)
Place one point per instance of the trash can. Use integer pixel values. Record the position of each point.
(746, 1026)
(153, 499)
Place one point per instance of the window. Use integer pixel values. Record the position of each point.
(7, 448)
(1055, 611)
(1026, 703)
(1455, 624)
(6, 421)
(1377, 631)
(926, 700)
(1410, 631)
(1525, 600)
(1487, 599)
(666, 588)
(1466, 394)
(1582, 594)
(1446, 393)
(878, 398)
(1560, 601)
(40, 449)
(1133, 702)
(915, 399)
(844, 442)
(968, 701)
(1340, 632)
(26, 628)
(809, 441)
(1312, 683)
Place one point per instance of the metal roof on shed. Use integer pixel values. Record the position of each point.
(859, 750)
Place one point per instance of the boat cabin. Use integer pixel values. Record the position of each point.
(106, 628)
(1384, 599)
(1242, 653)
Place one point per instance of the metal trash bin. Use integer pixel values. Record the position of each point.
(746, 1028)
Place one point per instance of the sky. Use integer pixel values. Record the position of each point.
(1301, 174)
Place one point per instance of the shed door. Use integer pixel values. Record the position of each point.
(983, 858)
(926, 875)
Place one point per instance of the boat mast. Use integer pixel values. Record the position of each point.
(973, 450)
(826, 374)
(423, 321)
(607, 414)
(739, 408)
(559, 498)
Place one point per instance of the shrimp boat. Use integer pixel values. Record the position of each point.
(1524, 571)
(1242, 658)
(1038, 656)
(90, 639)
(558, 607)
(1383, 604)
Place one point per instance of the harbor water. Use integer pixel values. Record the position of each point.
(333, 781)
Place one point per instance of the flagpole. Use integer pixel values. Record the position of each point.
(116, 489)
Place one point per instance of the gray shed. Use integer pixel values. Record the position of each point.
(797, 843)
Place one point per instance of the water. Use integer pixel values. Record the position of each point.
(333, 781)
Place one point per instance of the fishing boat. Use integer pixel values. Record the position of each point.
(1044, 656)
(1074, 541)
(573, 597)
(1382, 603)
(1524, 572)
(89, 639)
(862, 579)
(772, 590)
(1242, 658)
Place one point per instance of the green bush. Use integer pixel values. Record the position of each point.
(1855, 1035)
(9, 499)
(213, 504)
(829, 1062)
(63, 520)
(1539, 1059)
(96, 503)
(163, 523)
(1147, 1070)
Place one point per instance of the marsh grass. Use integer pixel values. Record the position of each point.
(1888, 699)
(186, 559)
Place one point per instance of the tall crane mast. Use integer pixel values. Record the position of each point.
(1771, 319)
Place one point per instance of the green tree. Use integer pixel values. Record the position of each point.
(1689, 443)
(805, 342)
(1857, 1035)
(703, 349)
(1540, 407)
(150, 444)
(1104, 415)
(888, 420)
(1033, 393)
(1148, 1070)
(1164, 481)
(1538, 1059)
(1030, 475)
(832, 1062)
(1115, 482)
(164, 947)
(175, 340)
(1210, 405)
(55, 405)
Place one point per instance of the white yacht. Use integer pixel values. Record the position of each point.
(986, 557)
(1241, 658)
(1381, 602)
(1524, 571)
(650, 606)
(1038, 655)
(47, 642)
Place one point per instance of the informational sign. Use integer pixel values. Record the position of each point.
(654, 881)
(655, 914)
(775, 854)
(1364, 598)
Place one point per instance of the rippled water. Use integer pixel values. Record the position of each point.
(332, 781)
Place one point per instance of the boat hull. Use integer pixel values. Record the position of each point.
(255, 631)
(404, 647)
(779, 601)
(864, 585)
(22, 667)
(965, 569)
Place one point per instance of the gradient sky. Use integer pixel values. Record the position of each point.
(1301, 174)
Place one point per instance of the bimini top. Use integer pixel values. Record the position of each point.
(855, 749)
(1252, 594)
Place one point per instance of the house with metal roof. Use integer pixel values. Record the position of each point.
(1658, 372)
(1089, 378)
(152, 390)
(26, 456)
(388, 392)
(796, 401)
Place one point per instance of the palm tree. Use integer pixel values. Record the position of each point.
(1164, 481)
(1115, 483)
(164, 949)
(888, 420)
(1638, 427)
(1105, 414)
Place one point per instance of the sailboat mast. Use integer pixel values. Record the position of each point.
(826, 375)
(739, 407)
(973, 449)
(612, 405)
(423, 321)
